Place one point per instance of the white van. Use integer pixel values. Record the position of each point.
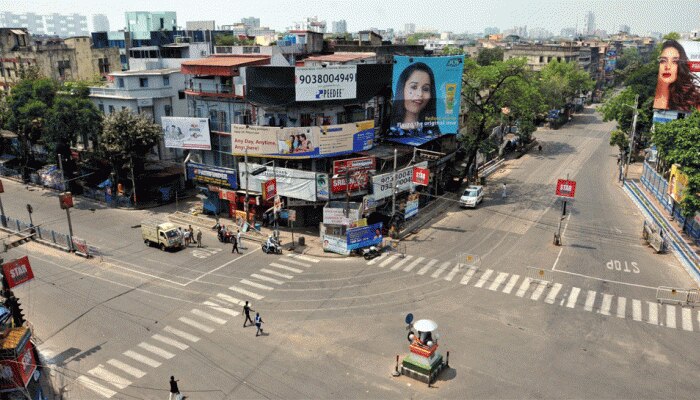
(473, 195)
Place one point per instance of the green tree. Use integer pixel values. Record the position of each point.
(452, 51)
(619, 138)
(672, 36)
(72, 118)
(678, 142)
(489, 56)
(561, 81)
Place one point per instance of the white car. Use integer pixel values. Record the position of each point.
(473, 195)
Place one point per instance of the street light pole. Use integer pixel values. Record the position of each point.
(274, 210)
(393, 186)
(245, 205)
(634, 129)
(133, 179)
(70, 224)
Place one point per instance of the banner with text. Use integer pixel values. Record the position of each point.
(291, 183)
(186, 133)
(364, 236)
(211, 175)
(381, 184)
(332, 82)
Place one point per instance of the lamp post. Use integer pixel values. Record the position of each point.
(634, 129)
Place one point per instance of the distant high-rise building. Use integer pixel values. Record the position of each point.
(200, 25)
(33, 22)
(142, 23)
(410, 28)
(589, 23)
(66, 25)
(625, 29)
(491, 30)
(540, 33)
(340, 26)
(251, 22)
(568, 32)
(100, 23)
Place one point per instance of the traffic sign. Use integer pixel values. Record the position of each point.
(566, 188)
(420, 176)
(17, 272)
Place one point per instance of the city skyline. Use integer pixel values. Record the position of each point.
(642, 16)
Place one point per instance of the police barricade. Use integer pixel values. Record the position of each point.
(540, 274)
(665, 294)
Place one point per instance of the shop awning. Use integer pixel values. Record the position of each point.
(222, 65)
(18, 31)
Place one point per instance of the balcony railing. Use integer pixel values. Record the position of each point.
(216, 89)
(136, 93)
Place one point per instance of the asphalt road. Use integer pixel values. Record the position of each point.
(120, 326)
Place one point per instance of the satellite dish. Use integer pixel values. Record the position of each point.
(409, 318)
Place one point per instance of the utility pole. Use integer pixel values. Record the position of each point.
(274, 210)
(634, 129)
(133, 179)
(393, 186)
(245, 205)
(3, 220)
(347, 193)
(70, 224)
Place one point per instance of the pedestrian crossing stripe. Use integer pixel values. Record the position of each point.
(427, 266)
(266, 279)
(217, 307)
(156, 350)
(400, 263)
(95, 387)
(113, 379)
(135, 372)
(196, 324)
(207, 316)
(295, 262)
(484, 277)
(171, 342)
(247, 292)
(185, 335)
(142, 359)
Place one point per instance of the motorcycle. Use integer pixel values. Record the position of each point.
(274, 248)
(371, 252)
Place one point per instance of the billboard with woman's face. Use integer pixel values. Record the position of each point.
(426, 93)
(678, 79)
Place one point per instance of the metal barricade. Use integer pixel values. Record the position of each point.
(683, 297)
(540, 274)
(653, 235)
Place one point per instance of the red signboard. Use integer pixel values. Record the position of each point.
(421, 176)
(269, 189)
(17, 272)
(358, 181)
(566, 188)
(354, 164)
(65, 200)
(16, 372)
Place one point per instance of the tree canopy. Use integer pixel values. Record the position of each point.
(127, 135)
(561, 81)
(489, 56)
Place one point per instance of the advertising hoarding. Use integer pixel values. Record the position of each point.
(269, 189)
(357, 181)
(210, 175)
(426, 103)
(332, 82)
(293, 183)
(303, 142)
(411, 206)
(421, 176)
(678, 78)
(381, 184)
(186, 133)
(364, 236)
(677, 183)
(354, 164)
(336, 216)
(335, 245)
(16, 372)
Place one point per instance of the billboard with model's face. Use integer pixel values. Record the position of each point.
(186, 133)
(426, 101)
(678, 79)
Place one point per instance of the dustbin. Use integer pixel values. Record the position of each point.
(482, 180)
(302, 241)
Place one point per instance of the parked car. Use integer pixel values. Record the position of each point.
(473, 195)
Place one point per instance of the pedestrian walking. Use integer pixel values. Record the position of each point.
(191, 234)
(174, 390)
(246, 311)
(234, 249)
(238, 237)
(199, 237)
(504, 191)
(258, 324)
(539, 148)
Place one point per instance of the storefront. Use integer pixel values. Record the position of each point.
(217, 184)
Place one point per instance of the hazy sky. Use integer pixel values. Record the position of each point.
(446, 15)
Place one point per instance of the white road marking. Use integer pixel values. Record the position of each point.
(511, 284)
(156, 350)
(553, 292)
(621, 306)
(523, 287)
(230, 299)
(246, 292)
(295, 262)
(280, 266)
(172, 342)
(470, 273)
(143, 359)
(426, 267)
(606, 304)
(95, 387)
(573, 296)
(222, 266)
(451, 275)
(374, 260)
(484, 277)
(636, 310)
(196, 324)
(500, 278)
(208, 316)
(135, 372)
(266, 279)
(303, 257)
(687, 319)
(218, 308)
(255, 285)
(275, 273)
(590, 300)
(113, 379)
(400, 263)
(440, 269)
(653, 313)
(388, 260)
(541, 286)
(182, 334)
(670, 316)
(413, 264)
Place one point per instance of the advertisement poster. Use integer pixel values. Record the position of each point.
(426, 101)
(335, 245)
(302, 142)
(354, 164)
(17, 272)
(358, 181)
(336, 216)
(186, 133)
(210, 175)
(293, 183)
(677, 183)
(17, 372)
(678, 78)
(411, 206)
(381, 184)
(364, 236)
(322, 192)
(332, 82)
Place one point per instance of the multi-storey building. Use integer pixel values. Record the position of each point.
(100, 23)
(251, 22)
(32, 22)
(66, 25)
(142, 23)
(340, 27)
(538, 56)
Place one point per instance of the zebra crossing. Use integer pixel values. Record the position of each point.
(119, 373)
(671, 316)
